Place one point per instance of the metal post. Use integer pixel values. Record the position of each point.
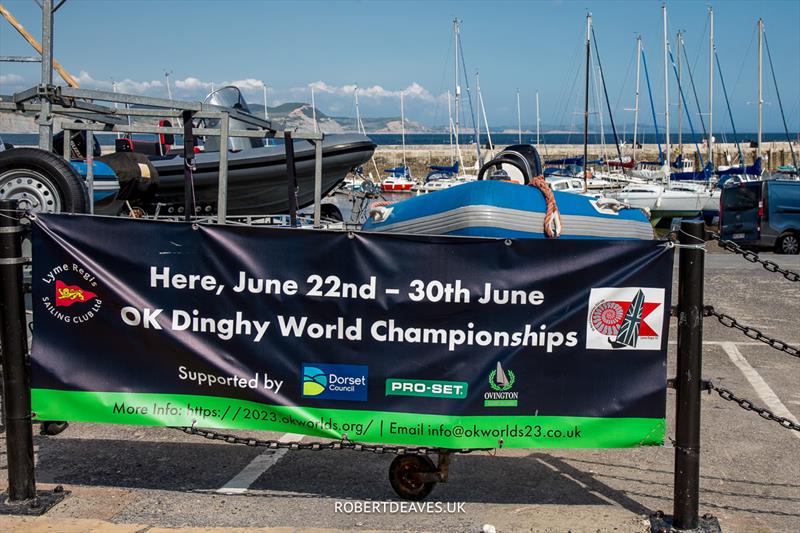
(45, 120)
(690, 351)
(90, 168)
(188, 164)
(222, 194)
(317, 183)
(291, 175)
(67, 149)
(16, 382)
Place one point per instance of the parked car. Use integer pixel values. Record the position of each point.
(762, 215)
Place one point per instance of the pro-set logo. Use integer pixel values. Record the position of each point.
(625, 318)
(69, 293)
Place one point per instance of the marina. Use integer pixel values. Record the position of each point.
(210, 303)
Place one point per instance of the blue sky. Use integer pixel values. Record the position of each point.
(385, 47)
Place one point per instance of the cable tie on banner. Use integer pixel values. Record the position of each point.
(691, 236)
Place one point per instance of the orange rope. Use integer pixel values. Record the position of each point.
(382, 203)
(552, 219)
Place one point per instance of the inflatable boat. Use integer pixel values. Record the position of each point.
(493, 206)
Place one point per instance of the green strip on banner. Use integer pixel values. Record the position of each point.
(446, 431)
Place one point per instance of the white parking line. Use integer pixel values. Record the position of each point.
(763, 390)
(239, 483)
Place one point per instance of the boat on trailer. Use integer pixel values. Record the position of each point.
(492, 206)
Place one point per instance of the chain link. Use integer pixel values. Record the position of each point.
(343, 444)
(747, 405)
(751, 332)
(753, 257)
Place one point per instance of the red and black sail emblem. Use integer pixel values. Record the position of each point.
(624, 320)
(66, 295)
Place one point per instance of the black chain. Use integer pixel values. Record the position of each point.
(753, 257)
(343, 444)
(747, 405)
(730, 322)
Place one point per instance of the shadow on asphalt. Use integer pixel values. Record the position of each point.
(534, 479)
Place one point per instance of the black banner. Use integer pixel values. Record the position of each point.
(445, 341)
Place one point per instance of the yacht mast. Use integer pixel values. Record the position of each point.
(486, 121)
(636, 98)
(711, 87)
(760, 94)
(538, 121)
(456, 29)
(519, 121)
(314, 110)
(678, 45)
(450, 126)
(358, 111)
(586, 105)
(403, 127)
(478, 132)
(667, 161)
(266, 112)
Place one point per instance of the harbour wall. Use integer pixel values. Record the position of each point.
(419, 157)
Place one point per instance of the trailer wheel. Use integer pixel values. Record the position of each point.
(42, 182)
(788, 244)
(404, 475)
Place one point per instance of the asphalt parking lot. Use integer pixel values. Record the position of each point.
(137, 478)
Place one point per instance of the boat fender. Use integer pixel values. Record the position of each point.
(138, 178)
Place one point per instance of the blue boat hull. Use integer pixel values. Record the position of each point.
(507, 210)
(106, 187)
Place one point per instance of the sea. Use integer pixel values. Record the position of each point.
(411, 139)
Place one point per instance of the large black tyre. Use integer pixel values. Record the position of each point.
(41, 181)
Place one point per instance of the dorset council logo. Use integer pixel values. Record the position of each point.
(625, 318)
(315, 381)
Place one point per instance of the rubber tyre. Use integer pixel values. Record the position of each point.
(400, 472)
(788, 244)
(331, 212)
(68, 183)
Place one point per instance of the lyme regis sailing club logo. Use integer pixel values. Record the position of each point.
(70, 294)
(625, 318)
(501, 381)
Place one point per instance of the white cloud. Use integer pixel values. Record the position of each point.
(11, 79)
(413, 91)
(124, 86)
(192, 84)
(248, 84)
